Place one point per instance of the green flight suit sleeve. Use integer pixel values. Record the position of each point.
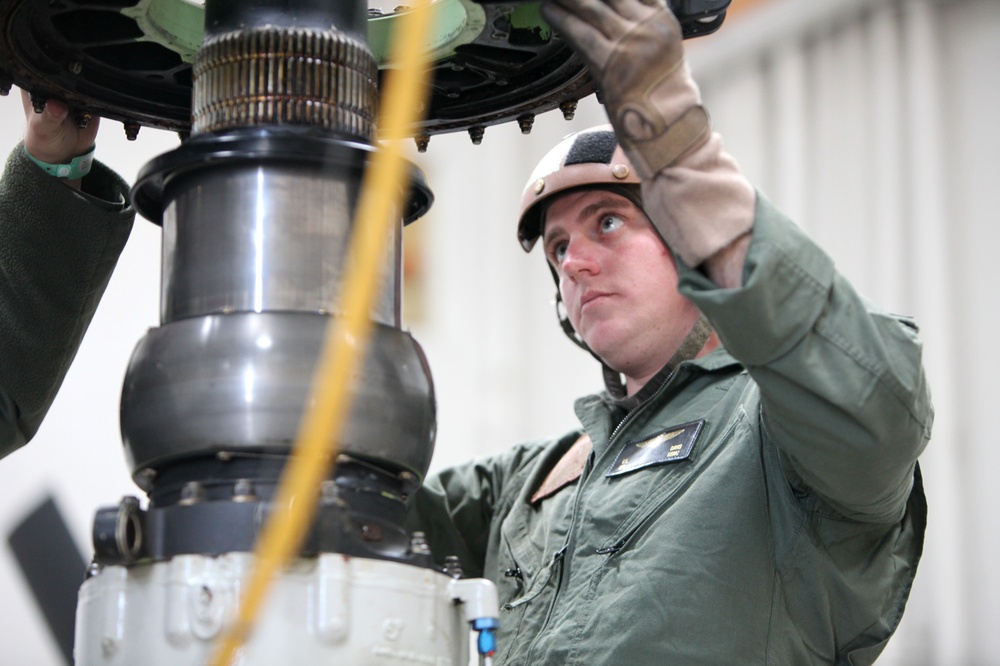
(843, 391)
(58, 248)
(455, 507)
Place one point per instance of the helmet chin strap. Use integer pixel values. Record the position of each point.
(689, 348)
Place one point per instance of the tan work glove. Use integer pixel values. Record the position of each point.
(693, 191)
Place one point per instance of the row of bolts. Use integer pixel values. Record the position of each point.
(476, 132)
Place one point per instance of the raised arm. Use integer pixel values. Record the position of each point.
(59, 242)
(693, 190)
(843, 390)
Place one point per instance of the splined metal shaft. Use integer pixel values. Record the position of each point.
(270, 76)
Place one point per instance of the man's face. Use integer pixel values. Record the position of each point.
(617, 280)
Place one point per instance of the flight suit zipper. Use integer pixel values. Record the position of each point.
(577, 500)
(635, 410)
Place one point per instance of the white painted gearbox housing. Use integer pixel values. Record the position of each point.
(330, 609)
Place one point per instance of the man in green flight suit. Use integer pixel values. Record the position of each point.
(746, 490)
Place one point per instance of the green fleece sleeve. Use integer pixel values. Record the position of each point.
(58, 248)
(843, 390)
(455, 508)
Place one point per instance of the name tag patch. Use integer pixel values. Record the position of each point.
(671, 445)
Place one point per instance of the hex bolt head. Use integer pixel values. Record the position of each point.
(191, 493)
(453, 566)
(476, 133)
(526, 122)
(144, 478)
(82, 118)
(5, 87)
(418, 544)
(38, 103)
(568, 109)
(131, 130)
(422, 140)
(244, 491)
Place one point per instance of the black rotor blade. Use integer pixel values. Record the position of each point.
(54, 568)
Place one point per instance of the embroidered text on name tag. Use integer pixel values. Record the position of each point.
(673, 444)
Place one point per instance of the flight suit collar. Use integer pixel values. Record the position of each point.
(600, 413)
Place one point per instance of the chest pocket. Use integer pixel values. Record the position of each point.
(627, 500)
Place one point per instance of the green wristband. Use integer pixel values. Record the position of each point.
(76, 169)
